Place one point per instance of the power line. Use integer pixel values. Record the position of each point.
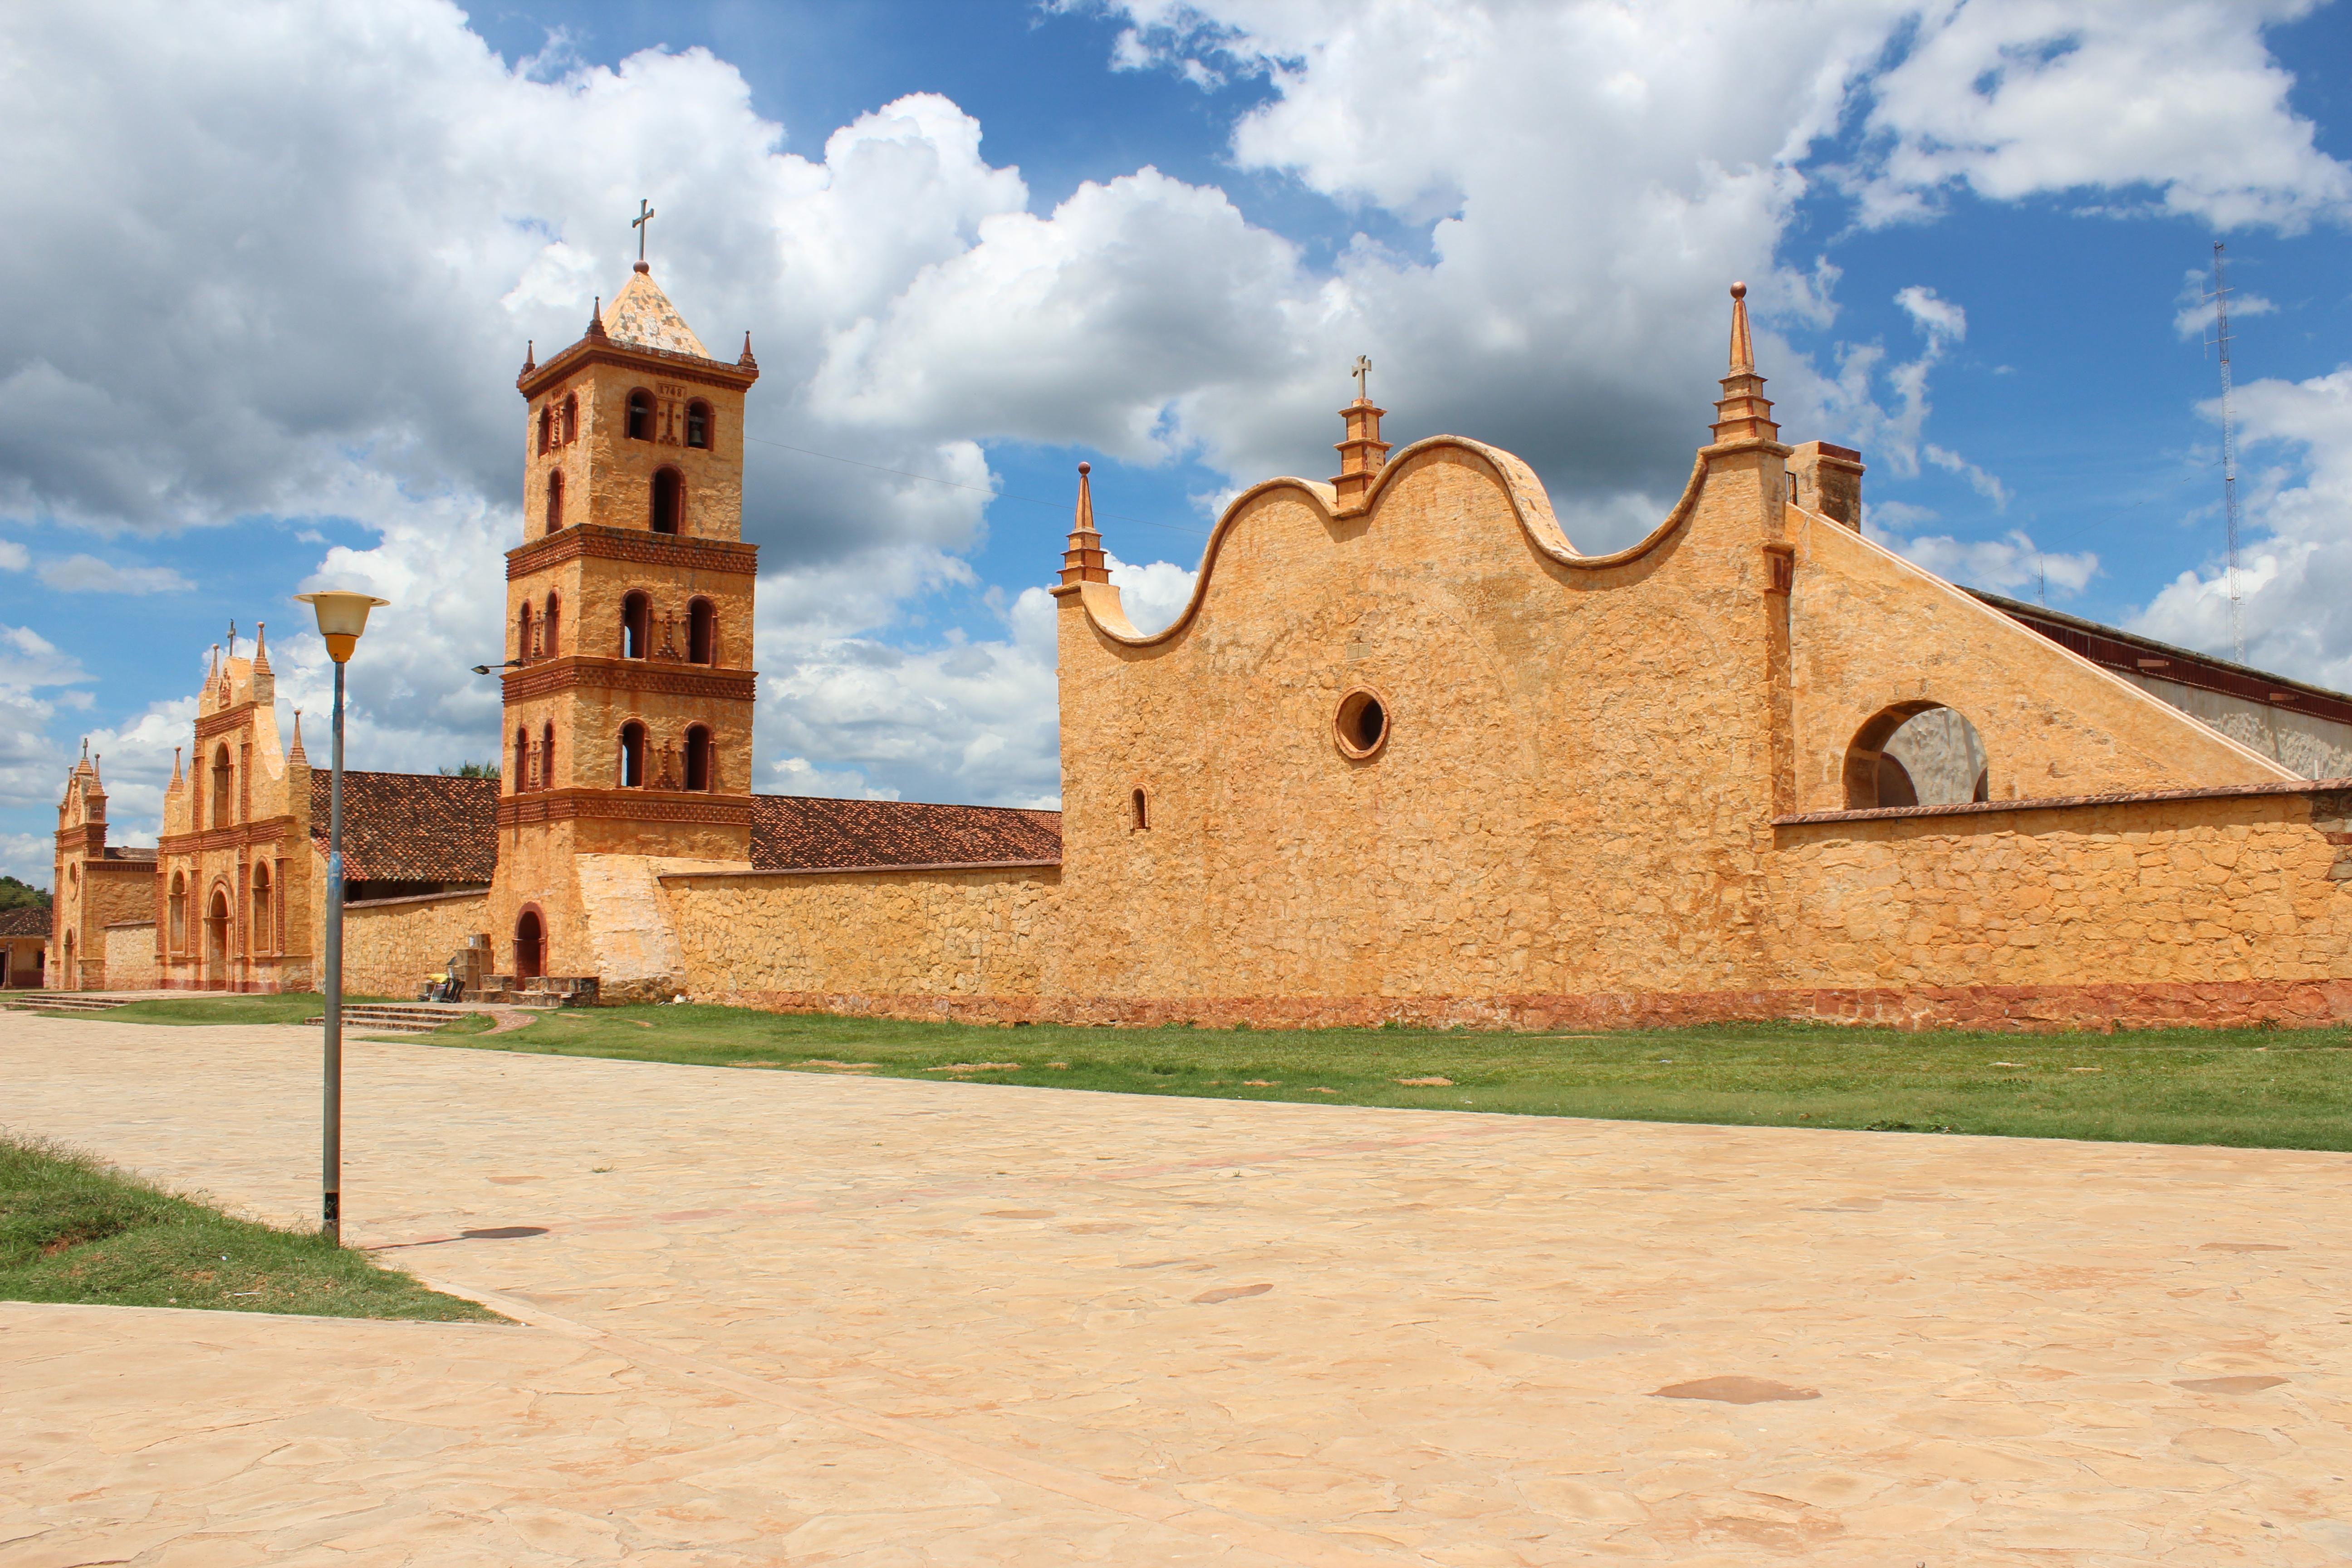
(977, 490)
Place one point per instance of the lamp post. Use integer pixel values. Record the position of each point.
(341, 619)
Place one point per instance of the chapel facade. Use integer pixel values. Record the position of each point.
(1407, 754)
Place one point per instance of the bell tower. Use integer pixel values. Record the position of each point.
(629, 686)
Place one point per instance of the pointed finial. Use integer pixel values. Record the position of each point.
(1084, 561)
(596, 318)
(260, 646)
(175, 769)
(1743, 348)
(294, 754)
(747, 362)
(93, 767)
(530, 356)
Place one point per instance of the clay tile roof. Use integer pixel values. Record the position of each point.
(800, 832)
(32, 919)
(642, 314)
(412, 828)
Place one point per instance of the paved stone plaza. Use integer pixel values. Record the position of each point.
(781, 1318)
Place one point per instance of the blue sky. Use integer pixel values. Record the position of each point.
(286, 262)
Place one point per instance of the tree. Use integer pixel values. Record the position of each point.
(471, 771)
(16, 895)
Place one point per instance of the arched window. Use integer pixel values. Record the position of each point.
(701, 633)
(258, 937)
(1916, 754)
(554, 499)
(179, 913)
(633, 755)
(641, 416)
(546, 429)
(636, 624)
(697, 425)
(570, 418)
(547, 758)
(550, 625)
(524, 646)
(669, 501)
(697, 758)
(1139, 807)
(522, 760)
(222, 774)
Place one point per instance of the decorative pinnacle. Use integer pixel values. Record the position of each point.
(1083, 561)
(530, 356)
(176, 768)
(295, 749)
(260, 646)
(1743, 347)
(747, 362)
(596, 318)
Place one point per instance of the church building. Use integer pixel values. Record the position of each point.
(1407, 754)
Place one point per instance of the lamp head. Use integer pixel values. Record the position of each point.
(343, 616)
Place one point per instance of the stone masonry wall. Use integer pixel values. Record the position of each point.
(130, 956)
(390, 946)
(2144, 911)
(907, 943)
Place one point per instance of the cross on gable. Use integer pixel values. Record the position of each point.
(644, 216)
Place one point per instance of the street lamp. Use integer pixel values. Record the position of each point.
(341, 619)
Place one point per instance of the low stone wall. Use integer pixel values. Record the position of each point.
(130, 956)
(918, 943)
(390, 945)
(2224, 909)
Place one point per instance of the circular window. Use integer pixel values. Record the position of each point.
(1361, 725)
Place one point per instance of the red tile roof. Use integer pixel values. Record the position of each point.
(799, 833)
(424, 828)
(30, 920)
(412, 828)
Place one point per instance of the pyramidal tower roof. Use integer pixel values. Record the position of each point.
(643, 316)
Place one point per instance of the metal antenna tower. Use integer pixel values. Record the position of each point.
(2220, 298)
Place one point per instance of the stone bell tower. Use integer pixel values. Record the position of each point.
(629, 684)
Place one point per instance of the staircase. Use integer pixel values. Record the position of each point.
(401, 1018)
(28, 1002)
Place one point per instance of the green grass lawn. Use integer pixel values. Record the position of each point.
(74, 1229)
(2257, 1088)
(2278, 1088)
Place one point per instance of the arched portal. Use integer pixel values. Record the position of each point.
(530, 946)
(1916, 754)
(216, 942)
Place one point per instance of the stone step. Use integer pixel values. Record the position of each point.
(68, 1003)
(403, 1019)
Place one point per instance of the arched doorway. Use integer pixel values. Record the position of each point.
(217, 942)
(530, 946)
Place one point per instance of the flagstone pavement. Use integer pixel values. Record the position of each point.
(777, 1318)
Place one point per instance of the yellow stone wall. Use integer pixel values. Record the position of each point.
(901, 944)
(390, 947)
(2225, 890)
(130, 956)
